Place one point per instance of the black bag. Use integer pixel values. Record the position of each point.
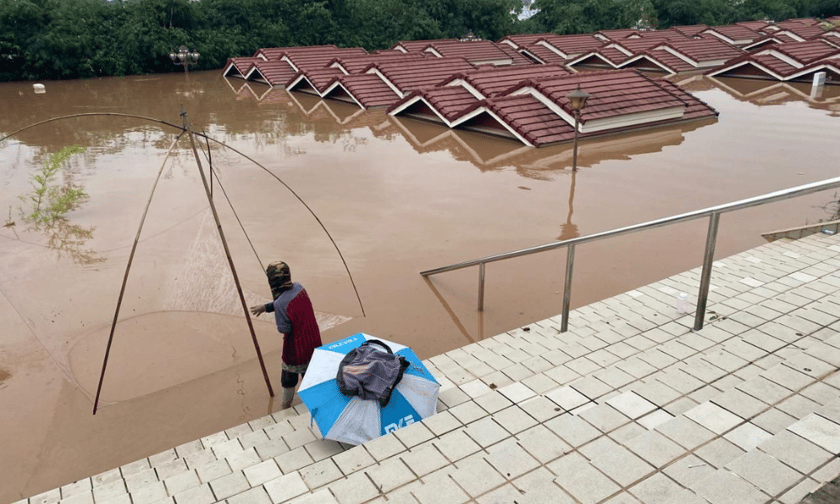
(370, 373)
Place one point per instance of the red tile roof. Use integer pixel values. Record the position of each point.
(492, 81)
(543, 53)
(526, 40)
(368, 90)
(533, 117)
(703, 50)
(408, 76)
(797, 60)
(453, 95)
(418, 45)
(273, 53)
(690, 30)
(736, 33)
(316, 78)
(797, 22)
(356, 64)
(753, 25)
(274, 72)
(315, 60)
(806, 52)
(476, 52)
(238, 67)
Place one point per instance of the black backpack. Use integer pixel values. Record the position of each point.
(370, 373)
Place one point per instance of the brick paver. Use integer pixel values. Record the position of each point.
(630, 405)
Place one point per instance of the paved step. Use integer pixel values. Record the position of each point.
(630, 405)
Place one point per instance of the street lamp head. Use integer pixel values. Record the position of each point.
(577, 98)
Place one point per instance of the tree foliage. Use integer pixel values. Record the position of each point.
(66, 39)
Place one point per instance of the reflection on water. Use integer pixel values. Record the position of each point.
(768, 92)
(398, 195)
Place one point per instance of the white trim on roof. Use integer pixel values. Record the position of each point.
(401, 49)
(340, 67)
(412, 101)
(821, 66)
(340, 84)
(601, 36)
(589, 55)
(678, 54)
(387, 81)
(484, 110)
(791, 35)
(262, 56)
(726, 39)
(466, 85)
(510, 43)
(649, 58)
(780, 56)
(495, 62)
(287, 60)
(530, 54)
(607, 123)
(291, 85)
(761, 42)
(747, 62)
(233, 66)
(433, 51)
(553, 49)
(261, 78)
(620, 49)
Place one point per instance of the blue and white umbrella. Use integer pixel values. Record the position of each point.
(354, 420)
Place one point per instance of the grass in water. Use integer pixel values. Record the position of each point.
(50, 201)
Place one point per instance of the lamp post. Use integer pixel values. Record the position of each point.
(184, 58)
(577, 100)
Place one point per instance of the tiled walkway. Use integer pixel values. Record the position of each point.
(629, 406)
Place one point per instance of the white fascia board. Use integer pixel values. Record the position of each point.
(386, 81)
(589, 55)
(433, 51)
(414, 100)
(229, 67)
(645, 56)
(557, 109)
(720, 36)
(300, 78)
(678, 54)
(823, 66)
(532, 55)
(622, 121)
(784, 57)
(759, 43)
(510, 43)
(748, 62)
(553, 49)
(340, 67)
(262, 56)
(499, 62)
(401, 49)
(338, 84)
(619, 48)
(287, 60)
(601, 36)
(261, 77)
(484, 110)
(791, 35)
(466, 85)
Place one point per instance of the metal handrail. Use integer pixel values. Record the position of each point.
(711, 238)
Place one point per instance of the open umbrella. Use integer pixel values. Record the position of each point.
(354, 420)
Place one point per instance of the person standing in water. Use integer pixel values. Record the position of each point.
(296, 321)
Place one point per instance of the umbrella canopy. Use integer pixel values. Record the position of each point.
(354, 420)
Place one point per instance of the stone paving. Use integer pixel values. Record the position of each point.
(629, 406)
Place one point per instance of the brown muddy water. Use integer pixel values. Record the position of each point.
(396, 196)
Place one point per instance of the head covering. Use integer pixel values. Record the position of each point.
(279, 277)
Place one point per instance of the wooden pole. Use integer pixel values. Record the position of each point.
(125, 276)
(188, 128)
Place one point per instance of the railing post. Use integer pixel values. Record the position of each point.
(706, 275)
(481, 287)
(567, 288)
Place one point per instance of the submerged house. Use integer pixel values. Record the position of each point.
(795, 61)
(536, 112)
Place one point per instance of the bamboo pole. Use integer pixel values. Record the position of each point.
(189, 131)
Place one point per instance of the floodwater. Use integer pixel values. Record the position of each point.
(358, 203)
